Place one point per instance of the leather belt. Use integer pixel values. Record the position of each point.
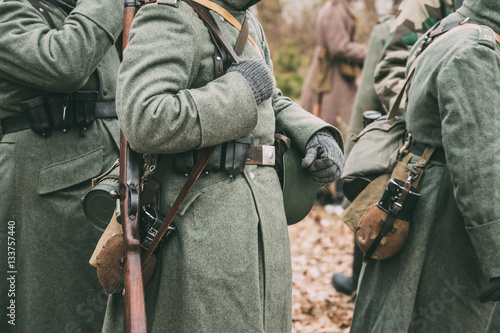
(261, 155)
(105, 110)
(20, 123)
(418, 148)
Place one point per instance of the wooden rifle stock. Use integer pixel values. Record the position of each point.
(130, 164)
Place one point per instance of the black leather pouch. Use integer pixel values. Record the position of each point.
(236, 154)
(37, 115)
(60, 110)
(85, 105)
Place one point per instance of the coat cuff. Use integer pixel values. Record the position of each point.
(486, 241)
(218, 111)
(108, 15)
(301, 125)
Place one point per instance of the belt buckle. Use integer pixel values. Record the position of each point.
(152, 231)
(268, 157)
(165, 2)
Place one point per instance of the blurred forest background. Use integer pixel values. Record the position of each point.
(290, 27)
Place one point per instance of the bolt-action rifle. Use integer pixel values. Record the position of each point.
(130, 166)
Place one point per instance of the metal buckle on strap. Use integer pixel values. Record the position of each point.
(152, 231)
(261, 155)
(165, 2)
(268, 155)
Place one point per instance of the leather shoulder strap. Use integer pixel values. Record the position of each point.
(242, 38)
(38, 6)
(210, 23)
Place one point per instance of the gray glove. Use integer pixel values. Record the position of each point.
(259, 77)
(324, 158)
(490, 292)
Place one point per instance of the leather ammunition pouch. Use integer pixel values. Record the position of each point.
(44, 114)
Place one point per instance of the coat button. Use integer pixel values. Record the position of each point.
(105, 91)
(252, 175)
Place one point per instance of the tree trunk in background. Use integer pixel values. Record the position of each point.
(370, 6)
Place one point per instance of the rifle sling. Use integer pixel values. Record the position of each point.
(242, 38)
(188, 185)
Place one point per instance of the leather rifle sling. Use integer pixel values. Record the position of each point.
(188, 185)
(242, 38)
(207, 152)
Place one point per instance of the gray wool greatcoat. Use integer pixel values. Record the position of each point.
(334, 31)
(453, 247)
(227, 267)
(43, 178)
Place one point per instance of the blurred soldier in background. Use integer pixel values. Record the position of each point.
(330, 85)
(448, 272)
(58, 69)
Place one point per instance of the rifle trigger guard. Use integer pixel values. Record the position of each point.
(133, 206)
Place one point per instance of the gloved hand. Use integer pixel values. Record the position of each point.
(490, 292)
(324, 158)
(259, 77)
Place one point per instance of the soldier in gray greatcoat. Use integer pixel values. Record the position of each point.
(446, 278)
(58, 69)
(227, 267)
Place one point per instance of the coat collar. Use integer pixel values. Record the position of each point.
(485, 12)
(236, 5)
